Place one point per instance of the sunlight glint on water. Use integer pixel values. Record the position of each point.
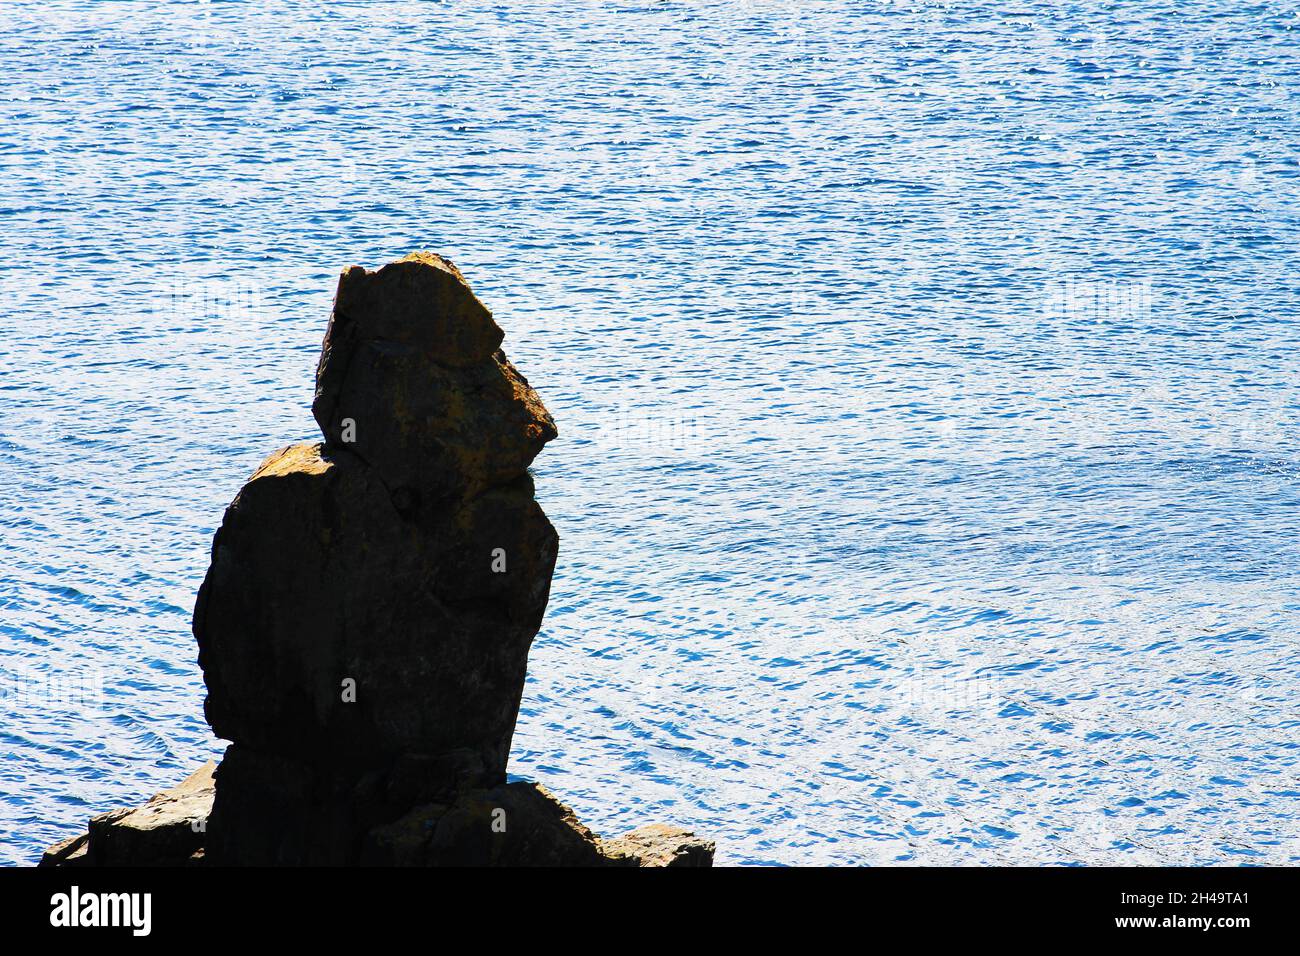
(926, 482)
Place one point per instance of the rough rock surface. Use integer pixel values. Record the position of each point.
(659, 844)
(365, 623)
(521, 824)
(167, 831)
(412, 357)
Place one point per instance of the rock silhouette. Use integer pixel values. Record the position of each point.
(365, 623)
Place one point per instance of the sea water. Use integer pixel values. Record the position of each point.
(925, 377)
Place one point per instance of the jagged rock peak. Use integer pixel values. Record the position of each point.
(413, 381)
(365, 622)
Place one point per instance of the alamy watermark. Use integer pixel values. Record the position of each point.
(1080, 299)
(27, 688)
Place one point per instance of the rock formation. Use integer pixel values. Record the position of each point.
(365, 624)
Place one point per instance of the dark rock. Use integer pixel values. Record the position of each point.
(372, 599)
(522, 824)
(515, 824)
(69, 852)
(411, 379)
(365, 623)
(316, 580)
(166, 831)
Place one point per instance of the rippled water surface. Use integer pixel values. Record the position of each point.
(927, 479)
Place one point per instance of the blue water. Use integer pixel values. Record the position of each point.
(925, 373)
